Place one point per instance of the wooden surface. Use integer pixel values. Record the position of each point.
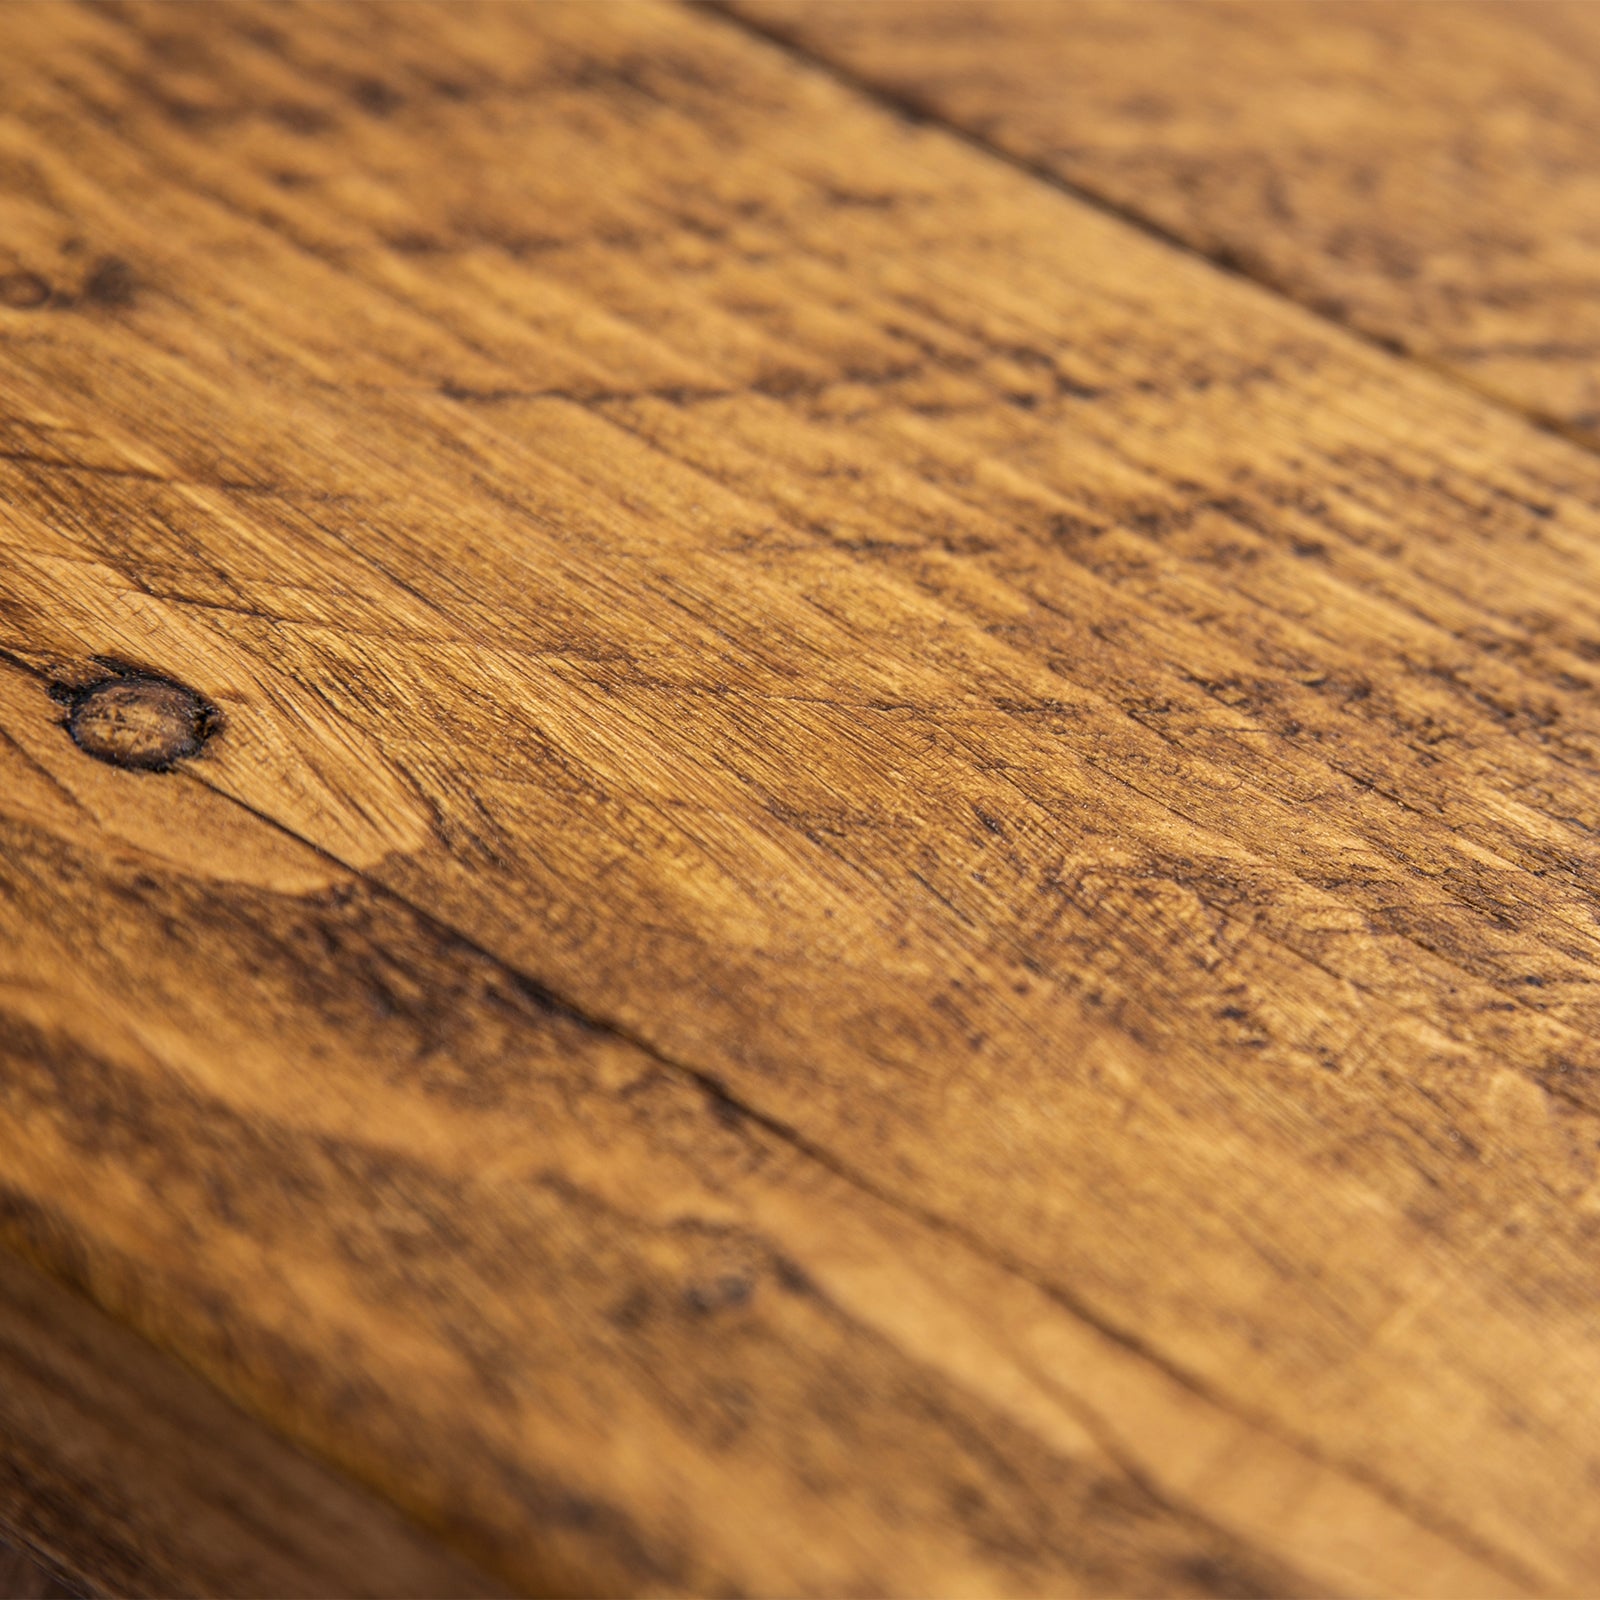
(1427, 171)
(835, 877)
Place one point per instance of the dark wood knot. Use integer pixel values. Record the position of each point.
(139, 720)
(23, 291)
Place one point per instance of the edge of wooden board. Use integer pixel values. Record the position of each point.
(124, 1470)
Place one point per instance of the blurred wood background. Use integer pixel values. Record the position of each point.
(800, 798)
(22, 1578)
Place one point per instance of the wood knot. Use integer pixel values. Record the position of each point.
(138, 720)
(23, 291)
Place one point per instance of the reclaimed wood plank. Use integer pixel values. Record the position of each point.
(564, 1302)
(864, 884)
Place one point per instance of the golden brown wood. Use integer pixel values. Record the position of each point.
(551, 1251)
(885, 890)
(1425, 170)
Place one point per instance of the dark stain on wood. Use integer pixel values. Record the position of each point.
(110, 283)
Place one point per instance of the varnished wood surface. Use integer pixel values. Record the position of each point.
(839, 879)
(1425, 170)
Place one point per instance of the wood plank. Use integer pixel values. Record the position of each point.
(1055, 791)
(1423, 172)
(566, 1303)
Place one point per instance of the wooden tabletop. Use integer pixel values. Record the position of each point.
(800, 798)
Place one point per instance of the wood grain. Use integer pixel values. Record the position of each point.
(891, 892)
(1426, 172)
(568, 1304)
(562, 1300)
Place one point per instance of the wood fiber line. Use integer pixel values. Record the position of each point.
(885, 888)
(1425, 172)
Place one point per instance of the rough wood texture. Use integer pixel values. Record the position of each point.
(565, 1301)
(866, 885)
(1428, 172)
